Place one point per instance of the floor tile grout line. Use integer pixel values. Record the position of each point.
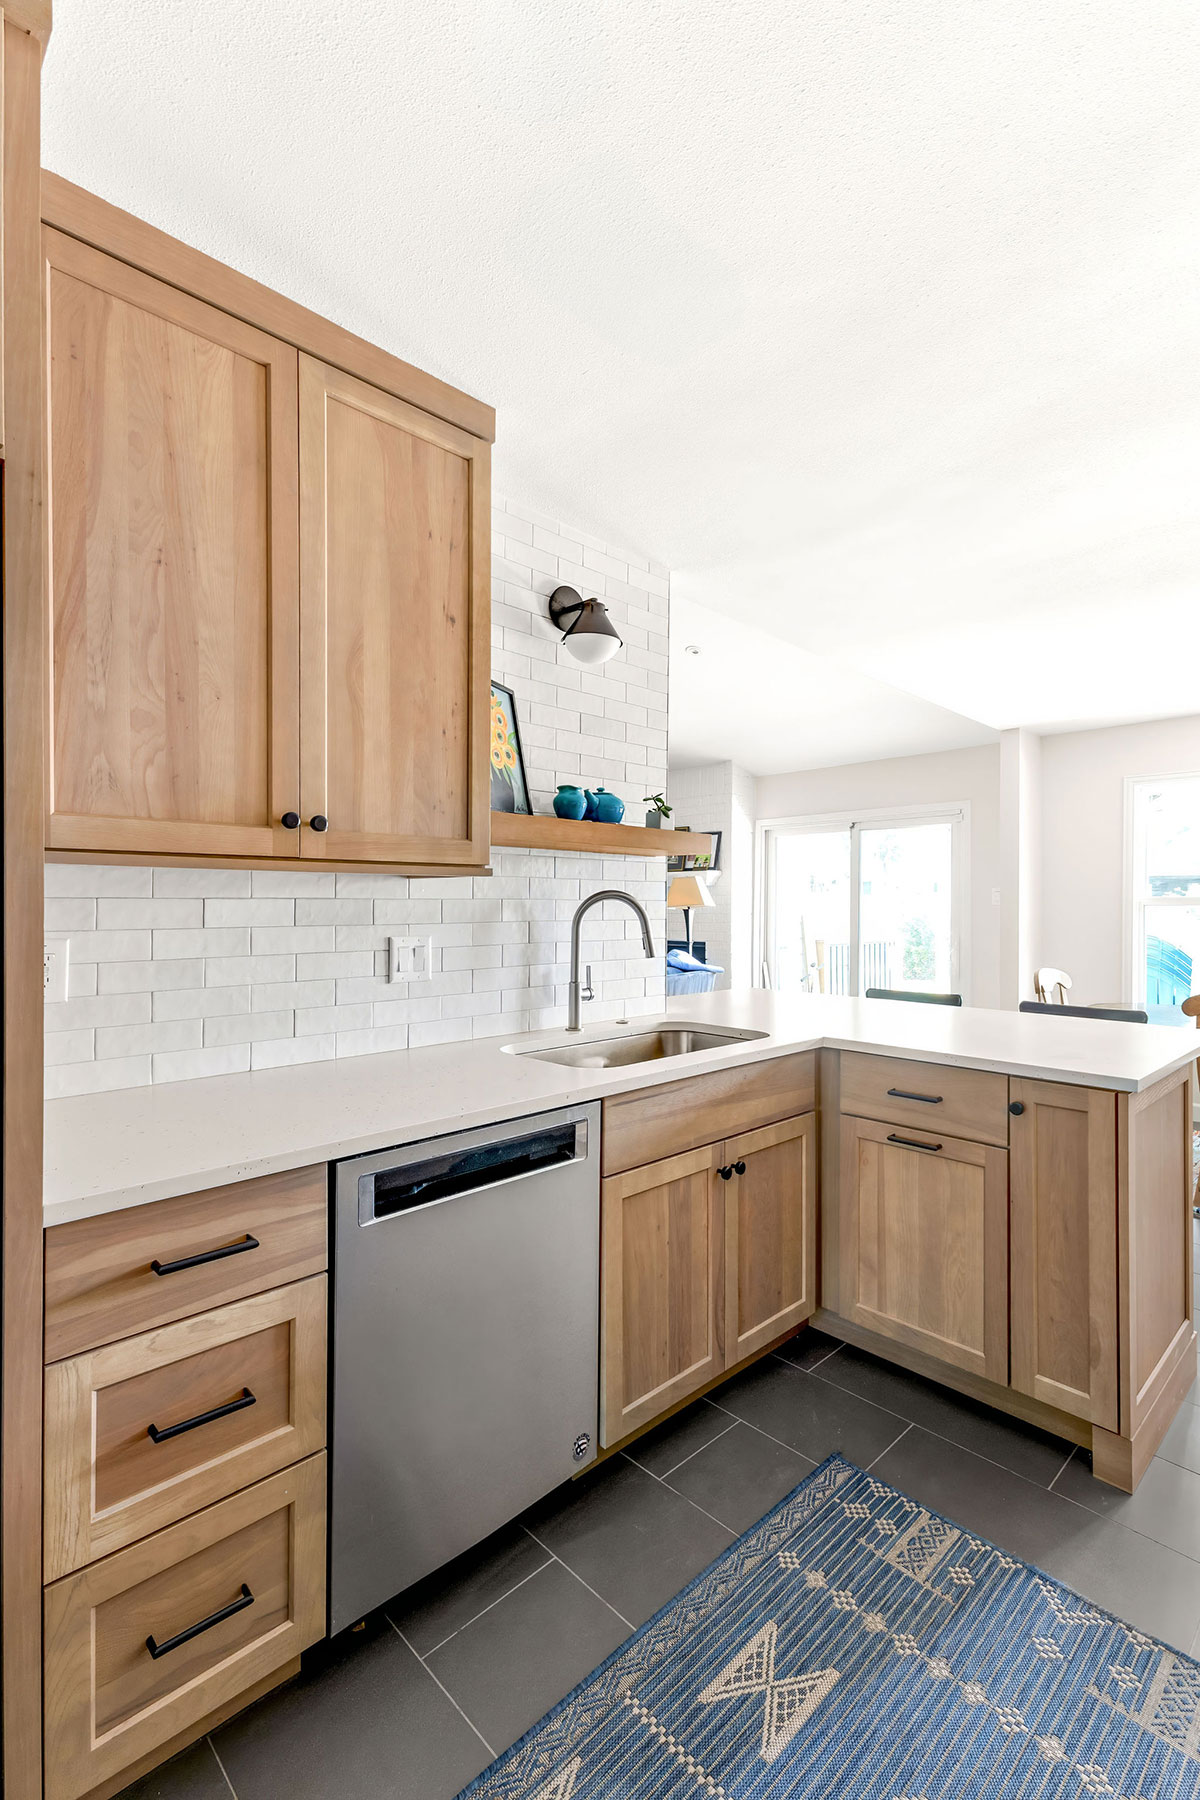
(1068, 1458)
(576, 1576)
(486, 1609)
(804, 1453)
(691, 1453)
(450, 1697)
(891, 1446)
(702, 1510)
(808, 1367)
(221, 1765)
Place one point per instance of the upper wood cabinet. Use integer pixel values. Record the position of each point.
(269, 581)
(923, 1234)
(395, 640)
(1063, 1178)
(174, 657)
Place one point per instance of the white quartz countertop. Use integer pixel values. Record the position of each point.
(108, 1151)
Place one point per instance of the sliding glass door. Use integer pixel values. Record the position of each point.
(850, 904)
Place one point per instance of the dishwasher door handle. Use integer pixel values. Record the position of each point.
(398, 1191)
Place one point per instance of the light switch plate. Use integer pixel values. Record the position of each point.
(56, 965)
(408, 958)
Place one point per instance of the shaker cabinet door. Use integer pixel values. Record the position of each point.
(662, 1272)
(770, 1234)
(924, 1242)
(174, 601)
(395, 633)
(1063, 1146)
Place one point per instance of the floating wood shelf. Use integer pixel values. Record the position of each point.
(537, 831)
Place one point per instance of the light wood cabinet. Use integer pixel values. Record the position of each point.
(924, 1242)
(770, 1233)
(122, 1272)
(706, 1257)
(126, 1670)
(172, 465)
(395, 644)
(269, 580)
(143, 1432)
(1063, 1173)
(662, 1265)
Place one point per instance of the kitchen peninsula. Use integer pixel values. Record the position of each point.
(1039, 1259)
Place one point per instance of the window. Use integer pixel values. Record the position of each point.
(1164, 886)
(870, 901)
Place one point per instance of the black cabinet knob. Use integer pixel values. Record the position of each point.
(1016, 1106)
(739, 1168)
(319, 822)
(290, 820)
(726, 1173)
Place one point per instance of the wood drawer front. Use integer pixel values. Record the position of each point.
(107, 1700)
(964, 1103)
(108, 1482)
(100, 1284)
(651, 1123)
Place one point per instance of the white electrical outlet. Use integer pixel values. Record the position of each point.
(409, 958)
(55, 965)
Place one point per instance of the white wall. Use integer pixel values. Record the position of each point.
(178, 973)
(951, 775)
(721, 797)
(1082, 850)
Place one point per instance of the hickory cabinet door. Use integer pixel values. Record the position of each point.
(174, 657)
(1062, 1145)
(770, 1233)
(662, 1257)
(395, 628)
(924, 1242)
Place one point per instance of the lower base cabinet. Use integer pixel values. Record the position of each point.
(150, 1641)
(705, 1257)
(924, 1242)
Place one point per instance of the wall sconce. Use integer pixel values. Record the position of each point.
(588, 632)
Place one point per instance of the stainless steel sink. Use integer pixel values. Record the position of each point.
(643, 1046)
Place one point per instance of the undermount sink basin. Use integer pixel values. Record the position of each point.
(643, 1046)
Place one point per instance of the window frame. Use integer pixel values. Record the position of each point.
(955, 813)
(1133, 904)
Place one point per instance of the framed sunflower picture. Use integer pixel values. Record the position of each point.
(510, 791)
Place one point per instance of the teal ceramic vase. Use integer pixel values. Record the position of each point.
(570, 802)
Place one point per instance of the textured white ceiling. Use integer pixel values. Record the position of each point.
(879, 323)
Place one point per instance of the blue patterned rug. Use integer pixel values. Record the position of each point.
(854, 1644)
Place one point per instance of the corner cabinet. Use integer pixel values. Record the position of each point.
(269, 590)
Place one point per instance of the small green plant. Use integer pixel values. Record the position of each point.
(658, 803)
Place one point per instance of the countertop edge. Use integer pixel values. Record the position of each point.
(554, 1086)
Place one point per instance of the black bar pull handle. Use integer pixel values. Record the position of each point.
(205, 1418)
(911, 1143)
(925, 1099)
(156, 1649)
(205, 1256)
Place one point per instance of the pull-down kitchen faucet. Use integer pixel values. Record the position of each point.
(584, 907)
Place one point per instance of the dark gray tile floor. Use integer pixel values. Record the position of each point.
(417, 1702)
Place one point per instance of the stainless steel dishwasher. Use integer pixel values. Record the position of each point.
(465, 1343)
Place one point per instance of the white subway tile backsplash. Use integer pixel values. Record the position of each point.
(70, 915)
(248, 1028)
(141, 1040)
(191, 1065)
(149, 977)
(114, 914)
(179, 973)
(275, 1053)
